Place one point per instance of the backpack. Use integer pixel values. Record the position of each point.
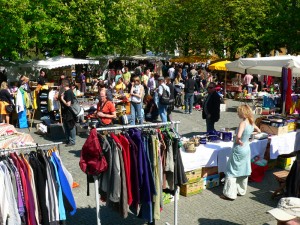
(92, 160)
(164, 99)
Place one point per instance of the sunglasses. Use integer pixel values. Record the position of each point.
(136, 80)
(210, 87)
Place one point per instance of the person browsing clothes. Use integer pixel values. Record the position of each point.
(211, 107)
(137, 92)
(67, 98)
(106, 110)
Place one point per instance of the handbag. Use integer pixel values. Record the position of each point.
(9, 108)
(76, 108)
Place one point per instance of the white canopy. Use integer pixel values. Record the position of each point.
(266, 65)
(59, 61)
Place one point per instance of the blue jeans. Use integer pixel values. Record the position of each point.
(70, 133)
(188, 102)
(210, 125)
(162, 109)
(136, 112)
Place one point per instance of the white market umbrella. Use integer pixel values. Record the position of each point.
(266, 65)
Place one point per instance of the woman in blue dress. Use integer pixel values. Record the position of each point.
(239, 163)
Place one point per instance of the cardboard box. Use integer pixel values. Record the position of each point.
(208, 171)
(191, 189)
(273, 130)
(56, 132)
(194, 175)
(285, 163)
(211, 181)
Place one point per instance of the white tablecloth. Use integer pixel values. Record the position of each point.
(217, 154)
(284, 144)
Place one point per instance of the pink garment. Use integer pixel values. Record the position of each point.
(247, 79)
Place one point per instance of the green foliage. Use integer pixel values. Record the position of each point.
(95, 27)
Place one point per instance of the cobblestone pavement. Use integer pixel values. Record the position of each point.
(204, 208)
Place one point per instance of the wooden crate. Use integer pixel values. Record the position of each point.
(191, 189)
(208, 171)
(194, 175)
(273, 130)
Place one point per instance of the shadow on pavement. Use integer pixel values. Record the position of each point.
(76, 153)
(203, 221)
(231, 109)
(188, 135)
(87, 216)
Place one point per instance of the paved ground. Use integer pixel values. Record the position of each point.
(205, 208)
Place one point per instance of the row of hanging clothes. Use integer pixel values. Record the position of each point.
(142, 164)
(35, 188)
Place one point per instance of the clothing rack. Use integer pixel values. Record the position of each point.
(176, 123)
(30, 147)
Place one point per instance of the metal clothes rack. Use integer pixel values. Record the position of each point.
(176, 123)
(30, 147)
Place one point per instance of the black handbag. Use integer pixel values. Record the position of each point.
(9, 108)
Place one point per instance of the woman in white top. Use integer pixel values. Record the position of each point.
(137, 93)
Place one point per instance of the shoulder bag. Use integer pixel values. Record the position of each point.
(76, 108)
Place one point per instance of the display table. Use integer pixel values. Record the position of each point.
(15, 140)
(217, 154)
(4, 128)
(284, 144)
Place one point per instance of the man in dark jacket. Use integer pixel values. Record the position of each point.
(211, 107)
(189, 88)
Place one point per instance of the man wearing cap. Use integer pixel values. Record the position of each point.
(287, 211)
(162, 108)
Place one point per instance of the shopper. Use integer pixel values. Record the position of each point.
(287, 211)
(189, 88)
(82, 80)
(106, 110)
(5, 100)
(239, 163)
(162, 108)
(120, 87)
(211, 107)
(136, 104)
(170, 107)
(67, 98)
(126, 76)
(41, 79)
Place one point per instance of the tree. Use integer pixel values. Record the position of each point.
(14, 29)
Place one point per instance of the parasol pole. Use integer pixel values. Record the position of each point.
(225, 84)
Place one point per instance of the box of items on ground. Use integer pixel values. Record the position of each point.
(191, 189)
(208, 171)
(56, 132)
(168, 198)
(194, 175)
(211, 181)
(285, 163)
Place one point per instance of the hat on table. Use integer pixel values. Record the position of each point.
(287, 209)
